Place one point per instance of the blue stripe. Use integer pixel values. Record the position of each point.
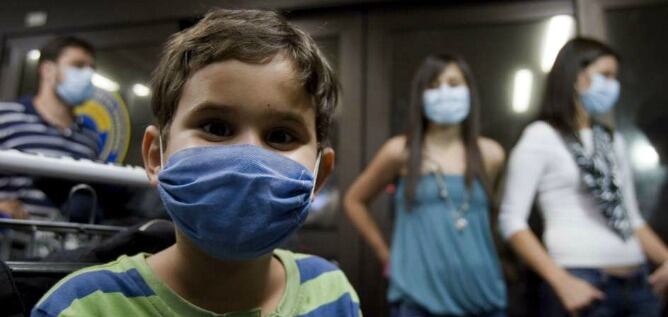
(83, 137)
(87, 138)
(11, 106)
(128, 283)
(11, 188)
(312, 267)
(344, 306)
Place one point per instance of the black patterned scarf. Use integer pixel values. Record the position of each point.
(599, 176)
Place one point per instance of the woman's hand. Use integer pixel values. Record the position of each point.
(576, 294)
(659, 279)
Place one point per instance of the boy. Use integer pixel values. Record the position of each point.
(244, 102)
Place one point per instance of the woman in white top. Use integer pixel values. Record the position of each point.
(576, 167)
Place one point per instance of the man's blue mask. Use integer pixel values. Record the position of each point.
(77, 85)
(236, 202)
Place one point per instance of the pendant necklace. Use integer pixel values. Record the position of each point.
(458, 213)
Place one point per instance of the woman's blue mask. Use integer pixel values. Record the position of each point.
(601, 96)
(77, 85)
(446, 104)
(236, 202)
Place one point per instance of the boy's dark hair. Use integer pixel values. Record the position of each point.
(52, 50)
(250, 36)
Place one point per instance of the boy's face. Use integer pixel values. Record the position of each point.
(232, 102)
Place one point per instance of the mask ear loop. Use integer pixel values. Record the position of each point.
(315, 173)
(161, 160)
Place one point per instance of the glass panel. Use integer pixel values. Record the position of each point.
(129, 66)
(641, 114)
(494, 52)
(324, 211)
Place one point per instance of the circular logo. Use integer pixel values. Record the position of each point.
(107, 114)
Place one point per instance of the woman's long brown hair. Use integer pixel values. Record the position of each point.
(427, 73)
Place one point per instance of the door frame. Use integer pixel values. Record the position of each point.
(591, 14)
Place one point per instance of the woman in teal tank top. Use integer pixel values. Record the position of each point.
(442, 261)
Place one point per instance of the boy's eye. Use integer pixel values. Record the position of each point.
(280, 137)
(217, 128)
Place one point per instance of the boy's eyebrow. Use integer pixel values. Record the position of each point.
(207, 106)
(286, 116)
(277, 115)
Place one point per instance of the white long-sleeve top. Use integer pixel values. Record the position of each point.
(576, 234)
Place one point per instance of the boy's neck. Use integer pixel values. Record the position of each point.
(221, 286)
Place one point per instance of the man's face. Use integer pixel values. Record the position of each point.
(72, 56)
(232, 102)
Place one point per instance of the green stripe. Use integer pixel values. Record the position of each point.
(117, 266)
(178, 306)
(288, 303)
(297, 299)
(111, 304)
(299, 256)
(325, 289)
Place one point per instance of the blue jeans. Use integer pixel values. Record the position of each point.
(630, 296)
(409, 310)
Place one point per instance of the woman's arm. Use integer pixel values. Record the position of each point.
(382, 170)
(574, 293)
(651, 244)
(526, 167)
(654, 248)
(493, 157)
(658, 253)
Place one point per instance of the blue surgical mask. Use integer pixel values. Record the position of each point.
(77, 85)
(601, 96)
(446, 104)
(235, 202)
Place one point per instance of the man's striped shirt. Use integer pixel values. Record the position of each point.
(128, 287)
(23, 129)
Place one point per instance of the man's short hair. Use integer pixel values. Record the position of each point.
(52, 50)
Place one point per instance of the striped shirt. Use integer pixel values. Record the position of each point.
(22, 128)
(128, 287)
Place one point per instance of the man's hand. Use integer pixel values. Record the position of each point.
(13, 208)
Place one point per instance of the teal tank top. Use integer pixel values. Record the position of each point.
(438, 267)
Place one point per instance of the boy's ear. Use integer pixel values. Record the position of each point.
(150, 151)
(326, 167)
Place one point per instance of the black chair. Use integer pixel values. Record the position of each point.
(23, 283)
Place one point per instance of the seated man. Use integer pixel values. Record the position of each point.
(244, 102)
(46, 123)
